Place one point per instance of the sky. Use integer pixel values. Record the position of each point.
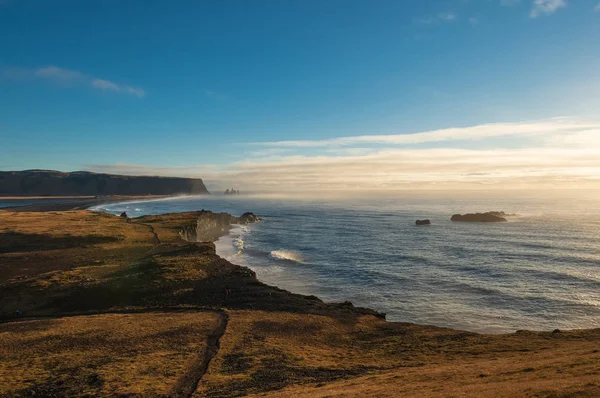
(306, 95)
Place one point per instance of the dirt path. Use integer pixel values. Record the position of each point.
(157, 241)
(188, 383)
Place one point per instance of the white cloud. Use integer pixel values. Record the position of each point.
(597, 8)
(63, 75)
(546, 7)
(107, 85)
(134, 91)
(480, 132)
(54, 72)
(566, 156)
(104, 85)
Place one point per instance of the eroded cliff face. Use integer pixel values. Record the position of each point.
(82, 183)
(211, 226)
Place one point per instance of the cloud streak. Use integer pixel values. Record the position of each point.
(480, 132)
(546, 7)
(566, 156)
(62, 75)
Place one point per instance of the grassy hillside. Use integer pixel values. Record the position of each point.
(117, 306)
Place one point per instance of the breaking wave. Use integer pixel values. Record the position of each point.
(289, 255)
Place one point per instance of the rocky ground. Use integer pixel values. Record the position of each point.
(97, 305)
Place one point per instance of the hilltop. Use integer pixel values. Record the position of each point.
(84, 183)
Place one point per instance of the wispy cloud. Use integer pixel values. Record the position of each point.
(132, 169)
(63, 75)
(597, 8)
(53, 72)
(110, 86)
(479, 132)
(567, 155)
(546, 7)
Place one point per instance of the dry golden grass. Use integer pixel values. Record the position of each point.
(556, 373)
(111, 354)
(275, 344)
(35, 243)
(168, 228)
(264, 352)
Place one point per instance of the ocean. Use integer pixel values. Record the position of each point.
(539, 271)
(27, 202)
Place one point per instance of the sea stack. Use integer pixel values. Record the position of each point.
(423, 222)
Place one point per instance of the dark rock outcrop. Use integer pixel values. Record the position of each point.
(83, 183)
(502, 214)
(423, 222)
(478, 217)
(123, 215)
(248, 218)
(211, 226)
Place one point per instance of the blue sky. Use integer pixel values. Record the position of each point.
(195, 87)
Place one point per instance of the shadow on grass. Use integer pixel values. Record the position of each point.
(15, 242)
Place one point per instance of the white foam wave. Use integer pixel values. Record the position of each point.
(238, 242)
(286, 255)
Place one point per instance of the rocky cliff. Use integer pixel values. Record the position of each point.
(211, 226)
(83, 183)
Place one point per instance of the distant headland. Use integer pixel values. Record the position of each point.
(84, 183)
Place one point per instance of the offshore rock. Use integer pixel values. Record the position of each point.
(248, 218)
(478, 217)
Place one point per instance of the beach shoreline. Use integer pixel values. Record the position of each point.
(64, 270)
(77, 202)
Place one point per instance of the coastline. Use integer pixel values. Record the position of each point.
(93, 268)
(86, 203)
(77, 202)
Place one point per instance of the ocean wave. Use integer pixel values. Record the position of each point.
(289, 255)
(238, 243)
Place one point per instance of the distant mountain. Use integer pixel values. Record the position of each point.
(83, 183)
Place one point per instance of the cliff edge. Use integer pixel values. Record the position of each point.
(83, 183)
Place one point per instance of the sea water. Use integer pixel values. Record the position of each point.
(538, 271)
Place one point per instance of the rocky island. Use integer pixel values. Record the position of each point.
(492, 216)
(94, 304)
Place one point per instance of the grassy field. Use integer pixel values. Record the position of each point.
(112, 306)
(109, 354)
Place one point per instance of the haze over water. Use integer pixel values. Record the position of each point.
(539, 271)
